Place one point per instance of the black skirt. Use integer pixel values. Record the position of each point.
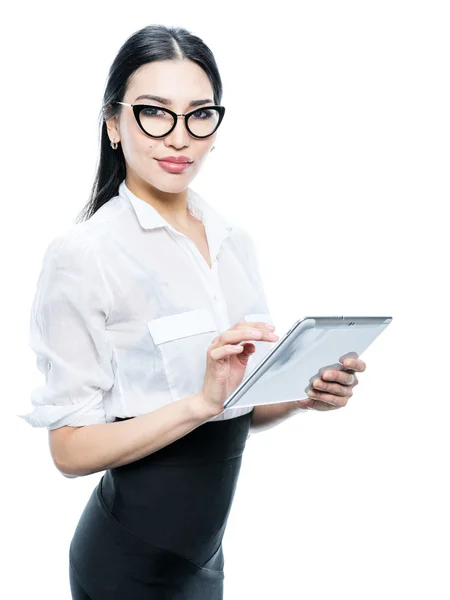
(153, 529)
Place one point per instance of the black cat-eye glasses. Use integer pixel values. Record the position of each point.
(158, 122)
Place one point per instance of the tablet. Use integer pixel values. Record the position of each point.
(311, 346)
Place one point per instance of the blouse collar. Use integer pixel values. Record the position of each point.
(150, 218)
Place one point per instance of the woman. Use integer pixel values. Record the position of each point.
(127, 323)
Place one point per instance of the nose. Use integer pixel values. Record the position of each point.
(179, 136)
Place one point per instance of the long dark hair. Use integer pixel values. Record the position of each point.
(151, 43)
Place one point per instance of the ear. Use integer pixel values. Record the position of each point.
(113, 129)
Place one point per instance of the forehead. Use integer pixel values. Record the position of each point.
(179, 80)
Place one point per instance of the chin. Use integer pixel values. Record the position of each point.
(170, 182)
(179, 184)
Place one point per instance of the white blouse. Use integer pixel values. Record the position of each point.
(126, 307)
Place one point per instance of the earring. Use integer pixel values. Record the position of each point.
(212, 148)
(114, 145)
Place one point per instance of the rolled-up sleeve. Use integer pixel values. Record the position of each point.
(68, 335)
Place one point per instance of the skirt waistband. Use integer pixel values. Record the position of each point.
(213, 440)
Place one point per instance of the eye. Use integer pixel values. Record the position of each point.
(208, 114)
(152, 111)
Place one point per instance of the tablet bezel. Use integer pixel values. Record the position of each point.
(319, 322)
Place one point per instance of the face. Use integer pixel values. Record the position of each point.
(180, 82)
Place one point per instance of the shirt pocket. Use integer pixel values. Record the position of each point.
(262, 346)
(183, 340)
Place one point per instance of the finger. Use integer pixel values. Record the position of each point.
(342, 377)
(319, 405)
(232, 336)
(313, 404)
(356, 364)
(349, 356)
(331, 387)
(246, 333)
(245, 349)
(334, 400)
(224, 351)
(256, 324)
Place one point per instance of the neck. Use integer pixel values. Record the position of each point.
(172, 206)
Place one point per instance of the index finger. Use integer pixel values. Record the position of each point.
(259, 324)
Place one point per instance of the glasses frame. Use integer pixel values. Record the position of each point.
(138, 107)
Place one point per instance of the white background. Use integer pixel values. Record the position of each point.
(334, 153)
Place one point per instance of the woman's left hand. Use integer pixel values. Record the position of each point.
(334, 387)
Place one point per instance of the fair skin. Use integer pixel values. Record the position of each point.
(181, 82)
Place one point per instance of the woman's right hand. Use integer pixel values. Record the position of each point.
(227, 360)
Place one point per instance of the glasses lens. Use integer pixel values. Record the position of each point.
(204, 121)
(155, 121)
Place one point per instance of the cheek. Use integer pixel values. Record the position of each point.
(200, 157)
(139, 150)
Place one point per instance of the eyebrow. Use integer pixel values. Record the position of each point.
(167, 101)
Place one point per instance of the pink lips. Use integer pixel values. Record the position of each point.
(174, 167)
(175, 159)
